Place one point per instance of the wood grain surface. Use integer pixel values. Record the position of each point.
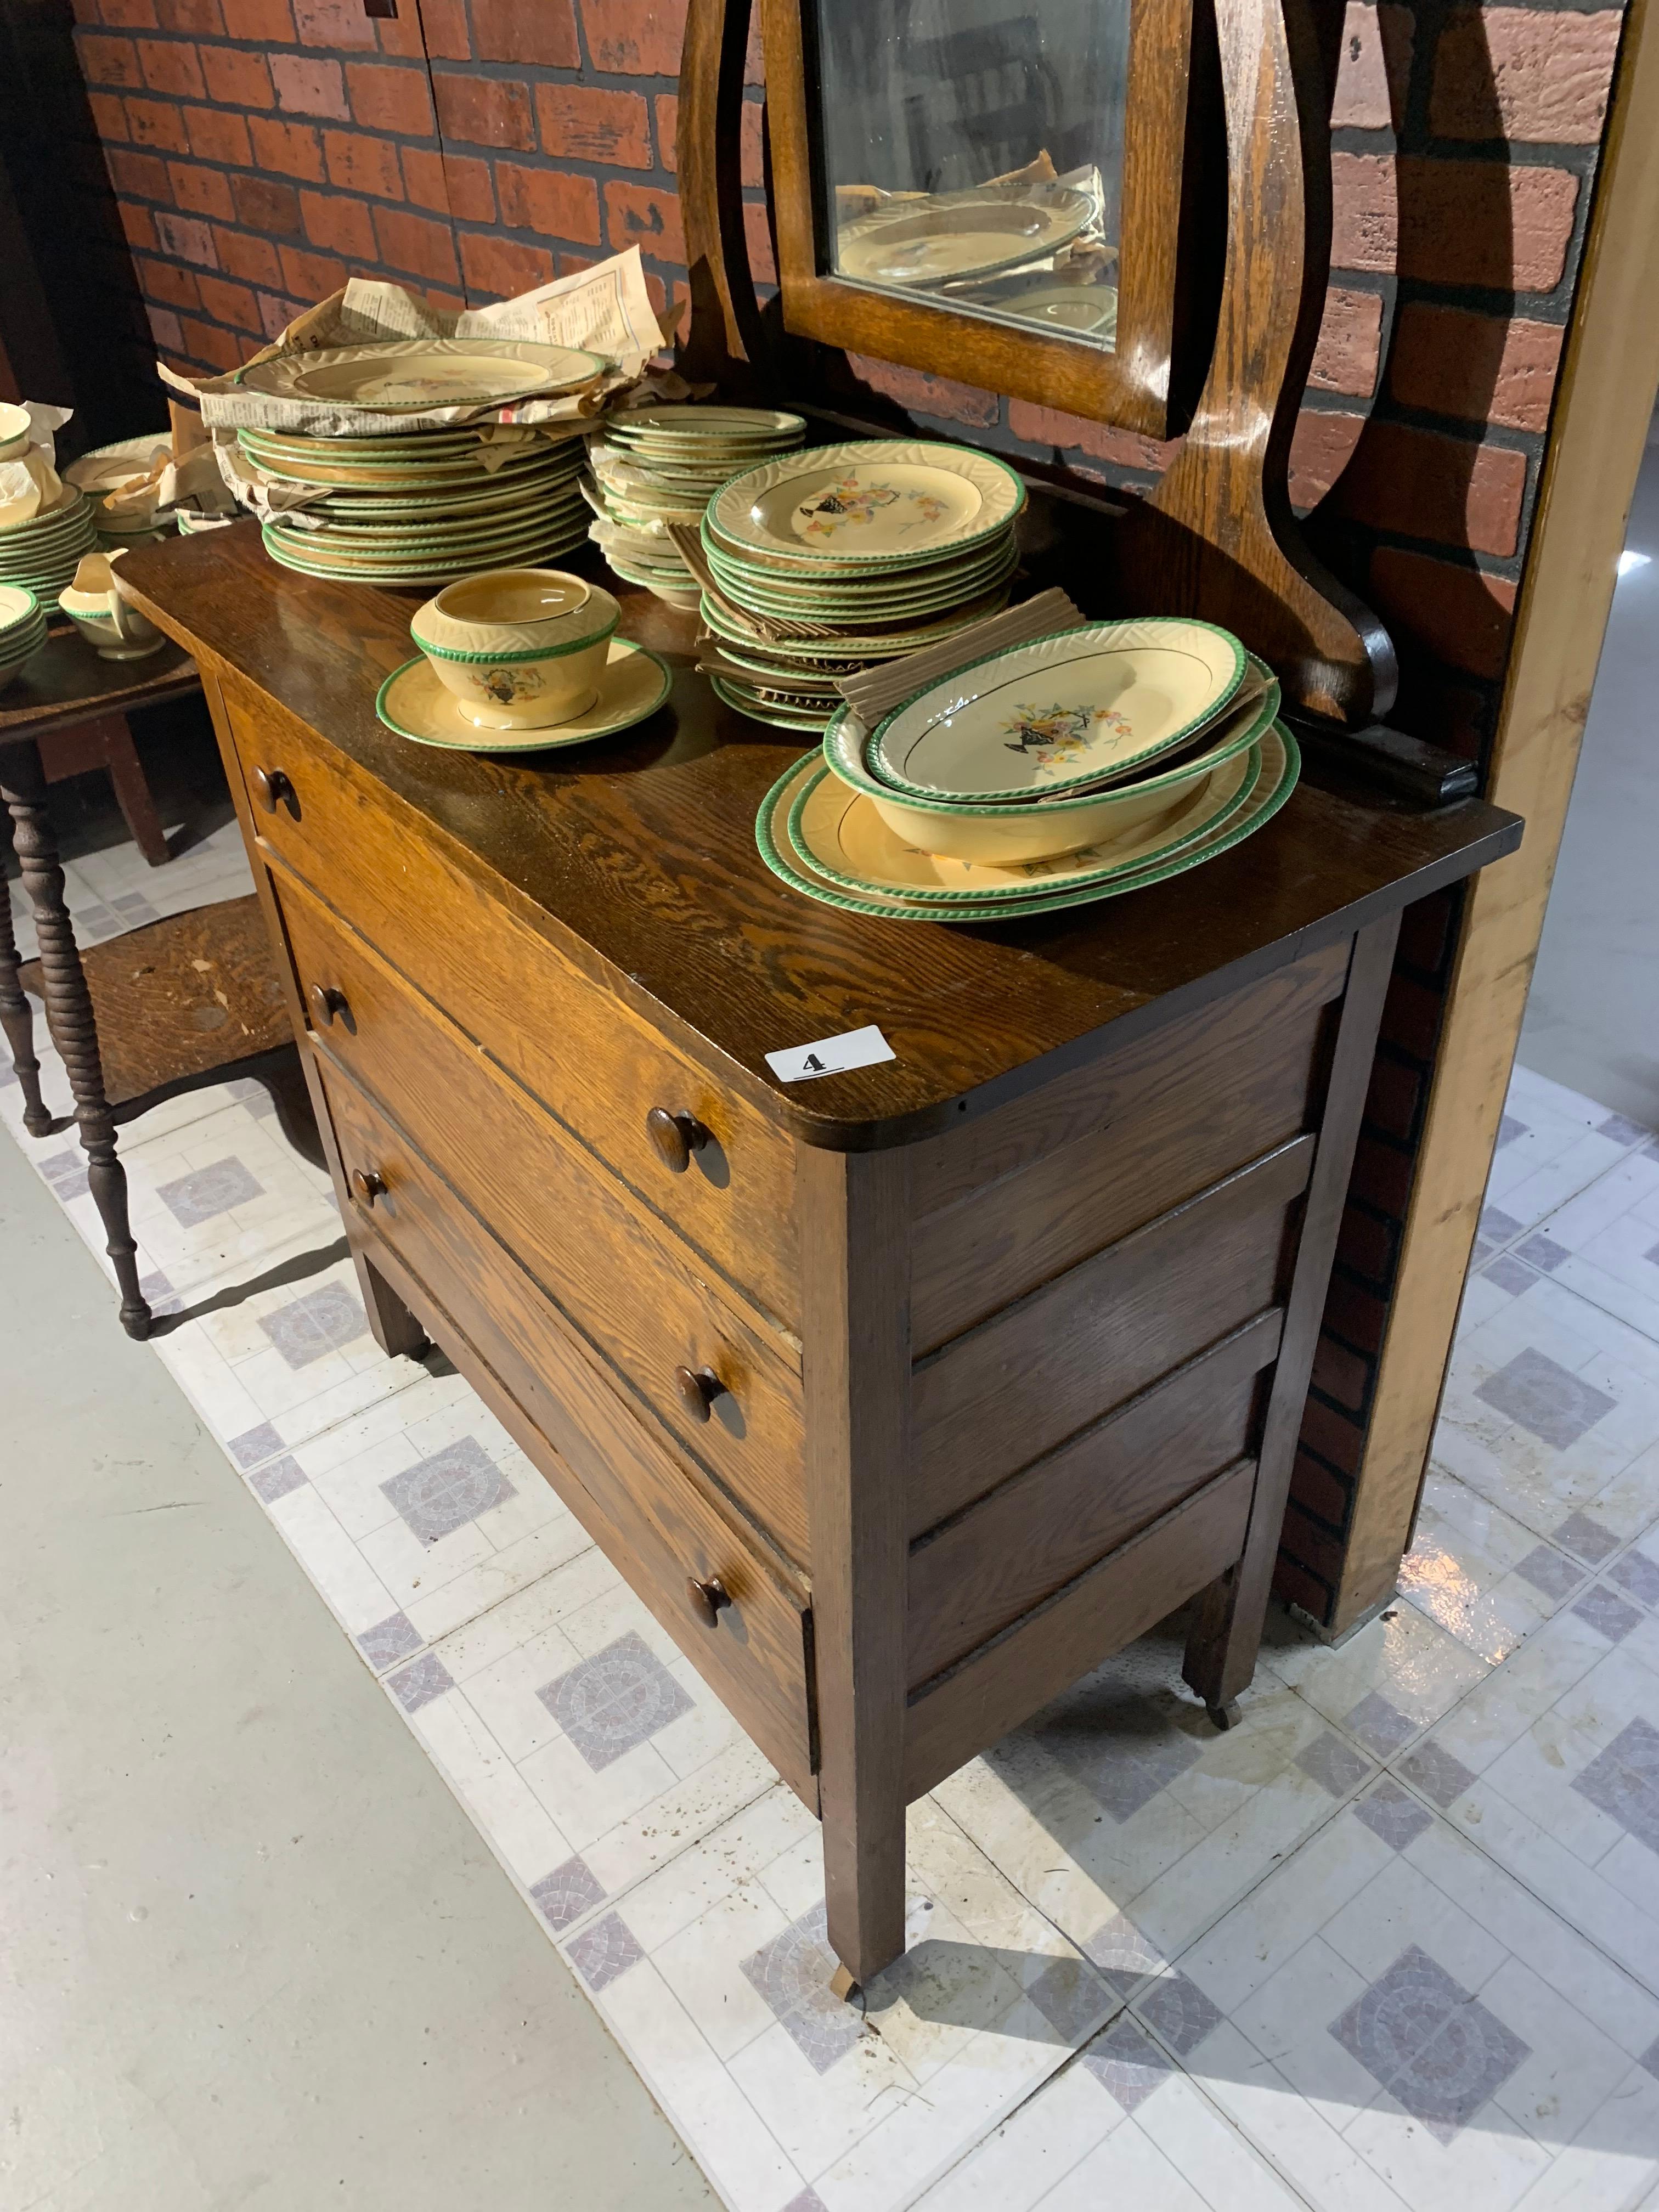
(1168, 1117)
(635, 858)
(641, 1509)
(1108, 1606)
(987, 1566)
(619, 1277)
(995, 1398)
(181, 997)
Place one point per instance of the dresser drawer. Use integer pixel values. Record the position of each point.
(631, 1287)
(577, 1047)
(646, 1513)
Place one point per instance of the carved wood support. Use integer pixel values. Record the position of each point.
(69, 1016)
(1217, 538)
(17, 1025)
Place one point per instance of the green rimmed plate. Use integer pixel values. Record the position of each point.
(1063, 710)
(426, 571)
(695, 420)
(893, 601)
(778, 714)
(864, 646)
(416, 704)
(407, 375)
(882, 500)
(839, 833)
(465, 529)
(1281, 764)
(846, 748)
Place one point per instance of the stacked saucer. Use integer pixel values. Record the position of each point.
(1087, 763)
(652, 466)
(423, 507)
(44, 553)
(22, 630)
(832, 560)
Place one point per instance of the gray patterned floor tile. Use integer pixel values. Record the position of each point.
(617, 1698)
(1546, 1398)
(442, 1493)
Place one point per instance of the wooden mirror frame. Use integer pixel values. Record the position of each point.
(1140, 384)
(1216, 537)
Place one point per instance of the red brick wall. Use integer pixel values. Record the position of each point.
(261, 149)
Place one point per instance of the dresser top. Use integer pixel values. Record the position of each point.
(636, 855)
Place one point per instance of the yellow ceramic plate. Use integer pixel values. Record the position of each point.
(1280, 766)
(414, 703)
(1062, 710)
(842, 834)
(409, 374)
(879, 501)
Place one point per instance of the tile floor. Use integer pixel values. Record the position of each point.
(1391, 1943)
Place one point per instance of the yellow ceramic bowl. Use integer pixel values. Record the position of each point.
(521, 648)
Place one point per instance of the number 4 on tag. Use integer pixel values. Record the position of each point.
(831, 1055)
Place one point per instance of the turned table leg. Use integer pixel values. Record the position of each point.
(69, 1016)
(17, 1025)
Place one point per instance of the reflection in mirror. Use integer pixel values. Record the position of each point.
(972, 153)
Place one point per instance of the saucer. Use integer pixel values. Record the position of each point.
(414, 703)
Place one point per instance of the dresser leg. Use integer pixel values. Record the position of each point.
(390, 1324)
(17, 1025)
(852, 1212)
(69, 1017)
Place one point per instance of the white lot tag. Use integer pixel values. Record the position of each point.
(831, 1055)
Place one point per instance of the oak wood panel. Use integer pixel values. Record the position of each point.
(1226, 1089)
(622, 1280)
(588, 1056)
(1226, 1630)
(992, 1400)
(1108, 1606)
(641, 1509)
(994, 1562)
(855, 1208)
(181, 997)
(1216, 536)
(1079, 1101)
(1598, 430)
(635, 859)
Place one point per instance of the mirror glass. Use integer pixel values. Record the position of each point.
(972, 153)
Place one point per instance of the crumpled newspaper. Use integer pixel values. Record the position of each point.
(604, 310)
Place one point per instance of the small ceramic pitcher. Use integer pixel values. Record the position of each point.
(103, 618)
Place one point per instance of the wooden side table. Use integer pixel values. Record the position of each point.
(193, 998)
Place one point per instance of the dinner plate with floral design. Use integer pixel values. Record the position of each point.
(1065, 709)
(879, 500)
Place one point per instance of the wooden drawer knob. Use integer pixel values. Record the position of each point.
(698, 1388)
(273, 788)
(369, 1183)
(708, 1598)
(676, 1137)
(331, 1006)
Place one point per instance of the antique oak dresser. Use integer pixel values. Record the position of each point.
(902, 1397)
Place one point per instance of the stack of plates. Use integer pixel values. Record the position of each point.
(22, 628)
(43, 553)
(96, 473)
(420, 507)
(656, 466)
(1088, 764)
(850, 554)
